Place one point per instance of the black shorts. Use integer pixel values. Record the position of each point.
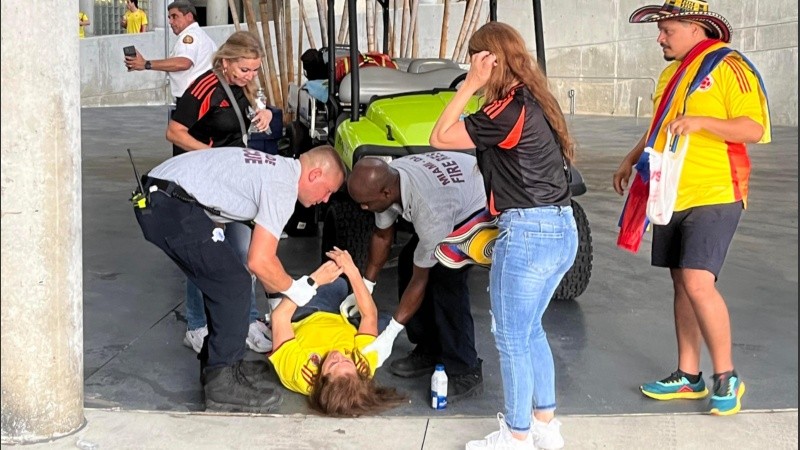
(697, 238)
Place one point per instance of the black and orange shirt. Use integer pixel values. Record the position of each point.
(518, 153)
(206, 111)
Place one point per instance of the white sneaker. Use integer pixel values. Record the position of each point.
(502, 439)
(547, 435)
(194, 338)
(257, 339)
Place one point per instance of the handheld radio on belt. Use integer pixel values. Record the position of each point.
(138, 197)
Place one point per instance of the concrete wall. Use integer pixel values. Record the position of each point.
(612, 65)
(105, 81)
(608, 65)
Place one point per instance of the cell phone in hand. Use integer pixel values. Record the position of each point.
(129, 51)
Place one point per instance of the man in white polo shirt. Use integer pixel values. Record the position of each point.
(190, 56)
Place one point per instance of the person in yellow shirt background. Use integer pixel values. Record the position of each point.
(134, 20)
(318, 352)
(83, 21)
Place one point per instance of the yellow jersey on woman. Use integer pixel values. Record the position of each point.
(298, 361)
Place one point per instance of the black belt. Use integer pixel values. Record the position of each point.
(168, 187)
(173, 190)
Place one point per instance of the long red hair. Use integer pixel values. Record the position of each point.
(516, 65)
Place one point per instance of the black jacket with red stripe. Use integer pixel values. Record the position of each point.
(206, 111)
(518, 153)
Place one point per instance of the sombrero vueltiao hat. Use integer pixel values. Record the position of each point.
(694, 10)
(471, 243)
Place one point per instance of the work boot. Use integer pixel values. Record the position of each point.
(253, 370)
(465, 385)
(414, 365)
(256, 372)
(228, 389)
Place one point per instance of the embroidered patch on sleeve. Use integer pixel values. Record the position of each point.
(188, 39)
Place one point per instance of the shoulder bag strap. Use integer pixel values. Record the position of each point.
(234, 103)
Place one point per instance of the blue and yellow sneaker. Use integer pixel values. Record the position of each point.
(728, 392)
(674, 387)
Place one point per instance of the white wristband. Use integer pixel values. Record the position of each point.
(370, 284)
(300, 291)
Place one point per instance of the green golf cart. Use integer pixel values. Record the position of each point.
(389, 113)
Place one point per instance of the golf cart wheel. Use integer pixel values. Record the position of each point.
(577, 278)
(348, 227)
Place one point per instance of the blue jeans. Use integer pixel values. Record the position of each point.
(533, 251)
(239, 236)
(328, 299)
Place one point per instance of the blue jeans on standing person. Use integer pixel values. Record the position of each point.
(534, 249)
(238, 234)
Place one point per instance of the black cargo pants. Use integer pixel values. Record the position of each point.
(184, 232)
(443, 325)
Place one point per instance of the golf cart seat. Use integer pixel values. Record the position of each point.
(380, 81)
(419, 65)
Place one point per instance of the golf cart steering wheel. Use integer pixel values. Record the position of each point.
(459, 79)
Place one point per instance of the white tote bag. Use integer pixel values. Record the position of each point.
(665, 173)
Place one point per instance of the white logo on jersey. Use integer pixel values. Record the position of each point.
(706, 84)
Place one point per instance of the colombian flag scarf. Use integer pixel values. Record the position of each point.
(697, 65)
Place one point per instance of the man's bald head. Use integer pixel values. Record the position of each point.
(374, 184)
(324, 156)
(322, 173)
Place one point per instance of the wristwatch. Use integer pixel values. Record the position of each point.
(311, 282)
(147, 65)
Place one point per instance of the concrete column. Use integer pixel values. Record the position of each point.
(158, 14)
(42, 284)
(217, 12)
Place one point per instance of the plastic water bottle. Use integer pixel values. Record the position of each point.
(261, 99)
(439, 388)
(261, 103)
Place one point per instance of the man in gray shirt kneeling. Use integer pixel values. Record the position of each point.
(436, 192)
(187, 201)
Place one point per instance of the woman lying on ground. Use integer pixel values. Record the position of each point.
(318, 351)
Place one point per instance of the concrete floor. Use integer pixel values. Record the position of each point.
(618, 334)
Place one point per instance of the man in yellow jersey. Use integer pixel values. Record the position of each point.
(83, 21)
(714, 97)
(134, 20)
